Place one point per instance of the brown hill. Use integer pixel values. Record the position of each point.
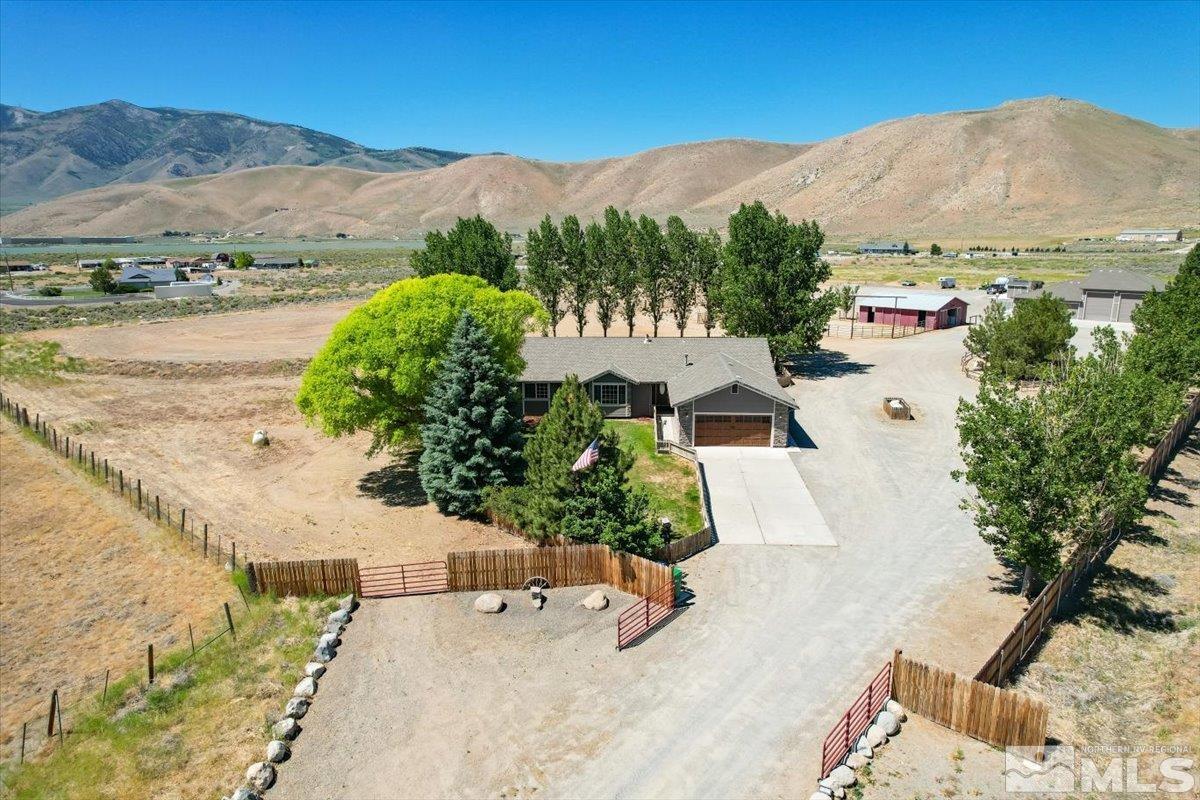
(1035, 166)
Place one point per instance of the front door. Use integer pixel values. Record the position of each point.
(951, 317)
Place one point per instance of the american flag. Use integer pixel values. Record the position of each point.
(589, 456)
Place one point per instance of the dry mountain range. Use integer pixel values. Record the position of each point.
(1044, 166)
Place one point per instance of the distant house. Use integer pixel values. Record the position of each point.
(1150, 235)
(142, 278)
(1106, 295)
(914, 310)
(886, 249)
(221, 258)
(703, 391)
(266, 261)
(16, 266)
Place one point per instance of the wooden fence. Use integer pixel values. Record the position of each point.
(1000, 717)
(685, 547)
(570, 565)
(328, 576)
(1020, 641)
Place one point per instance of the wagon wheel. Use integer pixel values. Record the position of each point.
(536, 581)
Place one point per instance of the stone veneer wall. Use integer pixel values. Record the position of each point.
(779, 425)
(683, 416)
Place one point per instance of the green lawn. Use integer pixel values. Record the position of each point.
(669, 480)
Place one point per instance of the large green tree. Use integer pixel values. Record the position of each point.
(567, 427)
(375, 370)
(623, 273)
(545, 279)
(683, 248)
(578, 280)
(1166, 342)
(709, 258)
(600, 268)
(1034, 337)
(102, 281)
(605, 509)
(770, 284)
(472, 247)
(652, 265)
(471, 437)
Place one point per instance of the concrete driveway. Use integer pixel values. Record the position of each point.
(757, 496)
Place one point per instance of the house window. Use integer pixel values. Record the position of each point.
(733, 389)
(609, 394)
(537, 391)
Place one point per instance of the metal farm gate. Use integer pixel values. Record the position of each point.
(397, 580)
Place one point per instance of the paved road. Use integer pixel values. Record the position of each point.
(11, 300)
(735, 695)
(758, 497)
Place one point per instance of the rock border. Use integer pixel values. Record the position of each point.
(885, 725)
(260, 776)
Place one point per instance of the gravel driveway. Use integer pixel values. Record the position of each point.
(733, 697)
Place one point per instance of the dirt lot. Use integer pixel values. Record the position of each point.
(429, 698)
(83, 585)
(1118, 670)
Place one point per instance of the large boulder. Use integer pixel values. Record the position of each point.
(286, 729)
(857, 761)
(329, 640)
(818, 796)
(245, 793)
(341, 617)
(887, 720)
(864, 747)
(261, 775)
(259, 439)
(348, 603)
(278, 751)
(876, 736)
(296, 708)
(306, 688)
(596, 601)
(897, 709)
(490, 603)
(335, 628)
(324, 654)
(841, 777)
(831, 789)
(314, 669)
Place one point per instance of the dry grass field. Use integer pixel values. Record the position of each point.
(84, 585)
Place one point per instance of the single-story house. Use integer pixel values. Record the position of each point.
(703, 391)
(1150, 235)
(886, 248)
(90, 264)
(1106, 295)
(144, 278)
(275, 262)
(914, 310)
(17, 266)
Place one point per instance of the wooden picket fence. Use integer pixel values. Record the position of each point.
(1000, 717)
(328, 576)
(1020, 641)
(688, 546)
(570, 565)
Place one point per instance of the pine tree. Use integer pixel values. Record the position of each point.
(604, 509)
(471, 436)
(570, 425)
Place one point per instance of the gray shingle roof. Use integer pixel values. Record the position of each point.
(1119, 280)
(687, 365)
(129, 274)
(1069, 291)
(718, 371)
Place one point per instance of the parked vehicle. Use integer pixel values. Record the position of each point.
(908, 283)
(997, 288)
(947, 282)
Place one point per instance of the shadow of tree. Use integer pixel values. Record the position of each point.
(397, 484)
(1118, 599)
(826, 364)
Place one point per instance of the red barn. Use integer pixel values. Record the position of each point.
(914, 310)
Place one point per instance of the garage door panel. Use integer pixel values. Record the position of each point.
(733, 430)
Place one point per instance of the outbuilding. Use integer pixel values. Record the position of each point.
(926, 310)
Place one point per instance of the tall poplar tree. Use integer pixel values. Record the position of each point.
(471, 437)
(577, 276)
(544, 278)
(709, 259)
(682, 250)
(618, 229)
(651, 249)
(601, 273)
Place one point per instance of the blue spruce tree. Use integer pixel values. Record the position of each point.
(471, 436)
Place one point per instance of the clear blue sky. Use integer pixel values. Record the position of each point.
(581, 80)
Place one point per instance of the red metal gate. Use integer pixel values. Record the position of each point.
(645, 614)
(856, 720)
(429, 577)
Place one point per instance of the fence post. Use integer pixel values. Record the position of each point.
(67, 447)
(150, 661)
(24, 726)
(233, 556)
(121, 476)
(229, 619)
(139, 494)
(50, 716)
(106, 470)
(182, 519)
(157, 509)
(104, 694)
(206, 540)
(191, 638)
